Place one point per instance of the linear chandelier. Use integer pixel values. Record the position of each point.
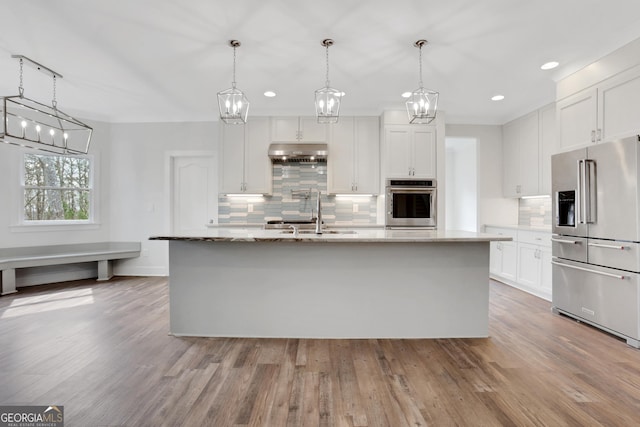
(232, 103)
(327, 98)
(31, 124)
(422, 104)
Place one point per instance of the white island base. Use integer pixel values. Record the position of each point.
(305, 289)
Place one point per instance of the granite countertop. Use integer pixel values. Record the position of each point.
(234, 234)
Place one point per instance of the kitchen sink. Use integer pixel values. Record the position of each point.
(290, 231)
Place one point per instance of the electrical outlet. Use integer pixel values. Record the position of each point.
(356, 208)
(250, 207)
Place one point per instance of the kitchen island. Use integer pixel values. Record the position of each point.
(361, 283)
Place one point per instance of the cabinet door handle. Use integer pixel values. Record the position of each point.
(588, 270)
(599, 135)
(593, 136)
(571, 242)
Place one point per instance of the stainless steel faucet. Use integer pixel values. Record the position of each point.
(318, 215)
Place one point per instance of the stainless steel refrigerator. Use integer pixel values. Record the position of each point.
(596, 236)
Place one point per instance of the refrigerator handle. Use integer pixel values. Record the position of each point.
(590, 191)
(588, 270)
(580, 199)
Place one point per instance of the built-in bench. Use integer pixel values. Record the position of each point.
(37, 256)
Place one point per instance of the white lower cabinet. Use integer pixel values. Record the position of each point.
(525, 262)
(503, 254)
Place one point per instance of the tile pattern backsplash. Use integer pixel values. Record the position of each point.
(535, 212)
(294, 195)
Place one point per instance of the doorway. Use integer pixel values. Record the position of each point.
(194, 193)
(461, 189)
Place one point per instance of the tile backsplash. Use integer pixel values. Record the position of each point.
(293, 198)
(535, 212)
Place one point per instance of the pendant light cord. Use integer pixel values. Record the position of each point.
(54, 102)
(420, 56)
(21, 88)
(327, 60)
(233, 82)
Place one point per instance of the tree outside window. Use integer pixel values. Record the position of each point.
(57, 188)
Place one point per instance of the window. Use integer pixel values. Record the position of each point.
(57, 188)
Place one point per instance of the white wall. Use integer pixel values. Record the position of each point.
(492, 207)
(139, 196)
(462, 184)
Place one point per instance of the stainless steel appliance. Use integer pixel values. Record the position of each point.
(298, 152)
(596, 241)
(410, 202)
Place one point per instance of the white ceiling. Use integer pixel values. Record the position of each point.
(164, 60)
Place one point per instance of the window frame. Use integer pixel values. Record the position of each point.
(59, 223)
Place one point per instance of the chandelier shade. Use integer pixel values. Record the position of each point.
(422, 104)
(233, 104)
(328, 99)
(31, 124)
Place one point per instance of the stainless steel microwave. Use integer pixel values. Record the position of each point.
(410, 202)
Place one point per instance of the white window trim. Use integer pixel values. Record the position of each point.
(23, 225)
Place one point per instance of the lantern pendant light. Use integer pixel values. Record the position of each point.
(327, 98)
(31, 124)
(422, 104)
(233, 104)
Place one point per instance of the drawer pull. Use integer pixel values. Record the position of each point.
(571, 242)
(588, 270)
(600, 245)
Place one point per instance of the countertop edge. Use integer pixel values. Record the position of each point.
(335, 239)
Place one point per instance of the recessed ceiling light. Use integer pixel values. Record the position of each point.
(549, 65)
(406, 94)
(497, 97)
(269, 94)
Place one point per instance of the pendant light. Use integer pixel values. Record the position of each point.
(422, 104)
(233, 104)
(31, 124)
(327, 98)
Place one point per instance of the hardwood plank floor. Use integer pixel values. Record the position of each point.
(103, 351)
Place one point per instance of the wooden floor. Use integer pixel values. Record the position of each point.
(102, 351)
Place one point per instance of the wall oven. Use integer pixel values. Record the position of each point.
(410, 202)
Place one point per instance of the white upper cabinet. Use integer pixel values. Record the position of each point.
(231, 158)
(600, 113)
(244, 164)
(301, 129)
(548, 145)
(577, 119)
(618, 105)
(520, 142)
(410, 150)
(527, 145)
(353, 163)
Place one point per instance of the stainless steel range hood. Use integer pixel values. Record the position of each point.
(297, 152)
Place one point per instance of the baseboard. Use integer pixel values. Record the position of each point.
(140, 271)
